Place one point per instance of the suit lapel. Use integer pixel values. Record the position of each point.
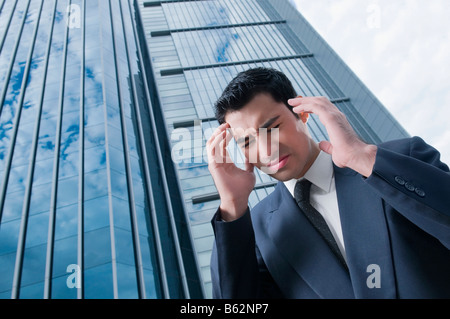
(366, 237)
(302, 246)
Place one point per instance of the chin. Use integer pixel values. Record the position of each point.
(287, 174)
(282, 176)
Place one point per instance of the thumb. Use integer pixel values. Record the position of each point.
(249, 167)
(326, 147)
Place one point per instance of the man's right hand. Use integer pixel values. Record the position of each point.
(233, 184)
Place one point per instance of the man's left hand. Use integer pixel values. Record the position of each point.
(345, 147)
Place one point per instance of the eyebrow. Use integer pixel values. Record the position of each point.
(270, 122)
(267, 124)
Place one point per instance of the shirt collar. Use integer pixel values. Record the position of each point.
(320, 174)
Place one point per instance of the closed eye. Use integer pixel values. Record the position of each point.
(248, 141)
(270, 129)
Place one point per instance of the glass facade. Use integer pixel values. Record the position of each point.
(82, 180)
(105, 109)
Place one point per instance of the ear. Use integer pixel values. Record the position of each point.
(304, 117)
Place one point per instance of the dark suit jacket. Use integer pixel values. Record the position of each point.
(398, 219)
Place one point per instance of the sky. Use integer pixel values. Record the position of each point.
(400, 49)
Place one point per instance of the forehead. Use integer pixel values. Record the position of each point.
(255, 113)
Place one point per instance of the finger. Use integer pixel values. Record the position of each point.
(217, 148)
(223, 147)
(306, 99)
(314, 107)
(301, 112)
(300, 105)
(326, 146)
(217, 131)
(214, 145)
(249, 167)
(296, 101)
(307, 107)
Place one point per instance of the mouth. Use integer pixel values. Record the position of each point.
(278, 164)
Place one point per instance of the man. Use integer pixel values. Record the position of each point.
(347, 219)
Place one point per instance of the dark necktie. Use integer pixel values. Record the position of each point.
(301, 194)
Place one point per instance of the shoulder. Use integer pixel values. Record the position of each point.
(415, 147)
(403, 145)
(406, 145)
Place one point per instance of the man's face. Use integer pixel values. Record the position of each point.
(287, 151)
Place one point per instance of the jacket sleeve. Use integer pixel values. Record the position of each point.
(237, 269)
(410, 177)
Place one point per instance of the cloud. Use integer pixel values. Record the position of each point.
(400, 50)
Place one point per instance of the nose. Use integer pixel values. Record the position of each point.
(268, 145)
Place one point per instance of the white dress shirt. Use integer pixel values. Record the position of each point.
(323, 195)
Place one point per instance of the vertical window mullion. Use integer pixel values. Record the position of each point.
(80, 250)
(317, 88)
(154, 218)
(270, 40)
(5, 90)
(52, 217)
(172, 224)
(134, 226)
(255, 41)
(111, 217)
(2, 42)
(241, 12)
(24, 218)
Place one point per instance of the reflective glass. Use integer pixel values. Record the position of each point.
(33, 291)
(231, 44)
(37, 229)
(210, 13)
(8, 237)
(97, 247)
(93, 137)
(96, 213)
(33, 269)
(126, 281)
(119, 185)
(105, 178)
(60, 289)
(99, 282)
(40, 198)
(152, 290)
(67, 191)
(7, 270)
(65, 254)
(95, 184)
(66, 221)
(121, 213)
(124, 246)
(12, 208)
(11, 107)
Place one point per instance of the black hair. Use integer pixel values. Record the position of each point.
(247, 84)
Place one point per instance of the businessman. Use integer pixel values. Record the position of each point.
(347, 219)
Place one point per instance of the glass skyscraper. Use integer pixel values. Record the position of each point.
(105, 109)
